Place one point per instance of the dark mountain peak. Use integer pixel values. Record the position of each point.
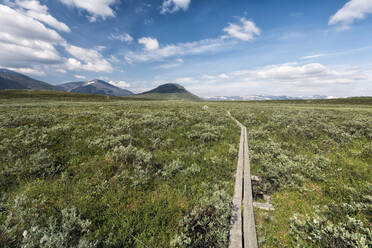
(9, 73)
(95, 86)
(168, 88)
(14, 80)
(170, 91)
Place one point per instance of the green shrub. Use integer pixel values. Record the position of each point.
(43, 164)
(26, 225)
(68, 231)
(172, 168)
(208, 224)
(131, 155)
(319, 231)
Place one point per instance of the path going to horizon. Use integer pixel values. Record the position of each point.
(243, 230)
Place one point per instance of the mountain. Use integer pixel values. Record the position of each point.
(14, 80)
(170, 91)
(97, 87)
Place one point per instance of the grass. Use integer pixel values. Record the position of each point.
(124, 173)
(315, 160)
(168, 96)
(132, 169)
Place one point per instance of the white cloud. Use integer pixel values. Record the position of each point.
(97, 8)
(208, 77)
(314, 56)
(246, 30)
(187, 80)
(171, 6)
(27, 44)
(309, 74)
(120, 84)
(223, 76)
(80, 77)
(180, 49)
(122, 37)
(291, 79)
(34, 9)
(350, 12)
(87, 59)
(149, 43)
(28, 71)
(25, 41)
(175, 64)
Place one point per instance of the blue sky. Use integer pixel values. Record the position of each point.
(212, 47)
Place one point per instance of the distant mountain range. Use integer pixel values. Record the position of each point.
(14, 80)
(171, 91)
(263, 97)
(97, 87)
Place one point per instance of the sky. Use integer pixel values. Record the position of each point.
(211, 47)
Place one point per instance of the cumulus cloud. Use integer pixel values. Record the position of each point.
(97, 8)
(172, 6)
(350, 12)
(149, 43)
(120, 84)
(87, 59)
(27, 45)
(308, 74)
(245, 30)
(34, 9)
(295, 73)
(25, 40)
(285, 79)
(122, 37)
(180, 49)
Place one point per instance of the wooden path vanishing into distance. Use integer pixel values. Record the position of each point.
(243, 230)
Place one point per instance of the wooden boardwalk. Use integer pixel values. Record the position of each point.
(243, 230)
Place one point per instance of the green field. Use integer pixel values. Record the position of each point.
(315, 160)
(96, 171)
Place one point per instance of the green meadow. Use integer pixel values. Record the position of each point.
(94, 171)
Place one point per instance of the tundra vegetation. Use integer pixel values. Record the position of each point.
(94, 171)
(315, 160)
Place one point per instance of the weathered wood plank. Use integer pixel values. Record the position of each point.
(243, 230)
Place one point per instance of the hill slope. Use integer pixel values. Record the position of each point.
(14, 80)
(170, 91)
(97, 87)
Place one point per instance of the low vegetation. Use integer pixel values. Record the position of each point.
(97, 171)
(315, 160)
(83, 173)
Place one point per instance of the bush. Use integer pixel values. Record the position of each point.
(131, 155)
(43, 164)
(67, 232)
(321, 232)
(27, 226)
(171, 169)
(208, 224)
